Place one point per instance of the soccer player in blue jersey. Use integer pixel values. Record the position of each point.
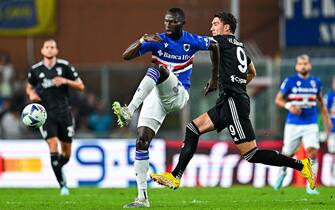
(300, 94)
(164, 88)
(330, 103)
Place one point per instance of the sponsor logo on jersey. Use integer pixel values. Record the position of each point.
(59, 71)
(47, 83)
(165, 45)
(172, 56)
(304, 90)
(236, 79)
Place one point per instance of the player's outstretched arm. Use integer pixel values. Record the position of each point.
(251, 72)
(215, 59)
(74, 84)
(327, 123)
(133, 50)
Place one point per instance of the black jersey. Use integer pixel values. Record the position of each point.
(54, 99)
(233, 66)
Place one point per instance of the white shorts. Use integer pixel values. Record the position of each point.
(294, 134)
(331, 143)
(166, 97)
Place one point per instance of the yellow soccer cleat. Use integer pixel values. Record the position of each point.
(308, 173)
(166, 179)
(122, 113)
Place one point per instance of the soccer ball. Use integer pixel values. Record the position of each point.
(34, 115)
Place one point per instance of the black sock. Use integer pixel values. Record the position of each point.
(273, 158)
(63, 160)
(189, 148)
(56, 166)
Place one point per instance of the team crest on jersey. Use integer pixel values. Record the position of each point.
(187, 47)
(175, 89)
(41, 75)
(313, 83)
(59, 71)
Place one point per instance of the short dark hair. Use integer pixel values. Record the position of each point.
(304, 57)
(227, 18)
(177, 11)
(49, 40)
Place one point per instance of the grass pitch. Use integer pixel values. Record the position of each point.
(237, 197)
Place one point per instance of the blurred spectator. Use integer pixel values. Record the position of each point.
(11, 125)
(100, 121)
(6, 71)
(83, 105)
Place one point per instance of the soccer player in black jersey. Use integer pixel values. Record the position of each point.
(231, 111)
(48, 84)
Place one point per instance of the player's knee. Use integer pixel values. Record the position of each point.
(251, 155)
(53, 144)
(163, 72)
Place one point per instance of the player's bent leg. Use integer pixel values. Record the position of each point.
(148, 83)
(194, 129)
(274, 158)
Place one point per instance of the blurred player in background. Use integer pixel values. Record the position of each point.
(330, 104)
(231, 110)
(48, 83)
(300, 95)
(164, 88)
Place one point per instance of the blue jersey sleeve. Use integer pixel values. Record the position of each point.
(202, 42)
(148, 47)
(285, 87)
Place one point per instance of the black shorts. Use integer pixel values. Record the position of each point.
(59, 125)
(233, 113)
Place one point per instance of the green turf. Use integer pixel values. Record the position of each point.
(237, 197)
